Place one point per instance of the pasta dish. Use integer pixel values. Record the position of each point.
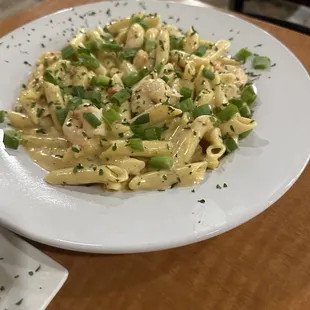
(137, 104)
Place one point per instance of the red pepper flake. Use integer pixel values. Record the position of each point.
(111, 91)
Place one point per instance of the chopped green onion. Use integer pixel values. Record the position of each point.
(149, 45)
(74, 102)
(111, 47)
(216, 122)
(142, 119)
(208, 74)
(144, 72)
(92, 119)
(245, 111)
(165, 78)
(161, 162)
(158, 67)
(47, 76)
(153, 133)
(67, 90)
(143, 24)
(129, 53)
(140, 21)
(88, 61)
(93, 45)
(186, 92)
(202, 110)
(68, 52)
(238, 102)
(227, 113)
(11, 139)
(261, 62)
(131, 79)
(61, 115)
(78, 91)
(110, 116)
(136, 144)
(135, 19)
(100, 80)
(244, 134)
(121, 96)
(185, 105)
(2, 116)
(83, 50)
(200, 51)
(94, 97)
(230, 144)
(248, 95)
(175, 43)
(138, 131)
(243, 55)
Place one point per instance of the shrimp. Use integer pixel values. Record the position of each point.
(149, 92)
(77, 129)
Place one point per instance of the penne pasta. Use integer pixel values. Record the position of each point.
(150, 148)
(133, 166)
(136, 104)
(162, 47)
(38, 141)
(80, 175)
(19, 120)
(187, 175)
(187, 140)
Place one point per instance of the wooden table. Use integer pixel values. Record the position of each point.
(262, 265)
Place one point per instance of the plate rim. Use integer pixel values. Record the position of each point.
(147, 247)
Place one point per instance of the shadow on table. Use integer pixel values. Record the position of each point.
(114, 273)
(263, 264)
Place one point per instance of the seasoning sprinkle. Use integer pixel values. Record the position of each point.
(201, 201)
(77, 167)
(19, 302)
(173, 185)
(38, 268)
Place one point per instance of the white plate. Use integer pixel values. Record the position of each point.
(28, 278)
(84, 219)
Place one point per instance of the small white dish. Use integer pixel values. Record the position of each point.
(28, 278)
(268, 162)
